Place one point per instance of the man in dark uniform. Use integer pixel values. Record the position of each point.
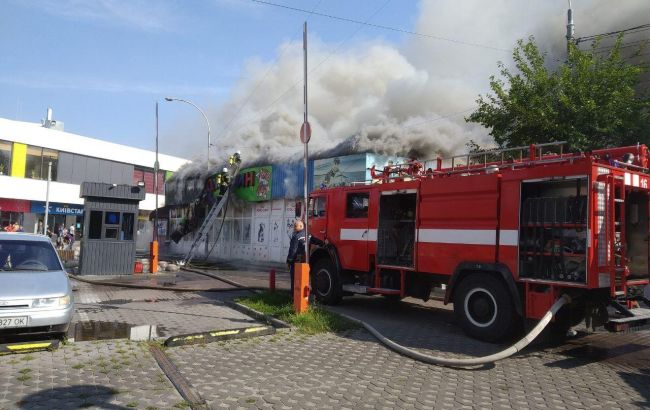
(297, 247)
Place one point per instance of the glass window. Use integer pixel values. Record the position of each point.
(112, 218)
(28, 256)
(110, 232)
(318, 205)
(50, 155)
(95, 227)
(127, 226)
(34, 163)
(5, 157)
(357, 205)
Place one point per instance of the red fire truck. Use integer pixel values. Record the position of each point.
(507, 232)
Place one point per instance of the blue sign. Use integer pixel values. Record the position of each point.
(38, 207)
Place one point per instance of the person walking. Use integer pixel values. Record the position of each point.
(297, 247)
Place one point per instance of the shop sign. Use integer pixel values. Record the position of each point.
(13, 205)
(254, 184)
(57, 209)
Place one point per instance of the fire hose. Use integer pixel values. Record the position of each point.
(471, 361)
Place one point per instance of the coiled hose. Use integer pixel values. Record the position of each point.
(472, 361)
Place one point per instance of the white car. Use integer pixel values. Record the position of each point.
(35, 292)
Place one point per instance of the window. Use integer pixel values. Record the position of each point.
(5, 157)
(318, 205)
(127, 226)
(357, 205)
(28, 255)
(36, 162)
(95, 227)
(111, 225)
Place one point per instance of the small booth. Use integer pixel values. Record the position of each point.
(109, 239)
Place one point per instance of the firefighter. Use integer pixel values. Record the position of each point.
(297, 247)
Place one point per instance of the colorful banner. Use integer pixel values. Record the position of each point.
(254, 184)
(339, 171)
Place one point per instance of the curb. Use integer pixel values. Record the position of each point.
(26, 347)
(277, 323)
(151, 287)
(218, 335)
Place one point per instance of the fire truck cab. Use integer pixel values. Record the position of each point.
(508, 232)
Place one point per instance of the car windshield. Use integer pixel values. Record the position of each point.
(27, 256)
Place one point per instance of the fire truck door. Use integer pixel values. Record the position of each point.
(318, 217)
(355, 233)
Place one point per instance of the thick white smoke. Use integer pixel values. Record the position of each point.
(399, 100)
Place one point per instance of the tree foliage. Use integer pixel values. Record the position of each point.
(589, 101)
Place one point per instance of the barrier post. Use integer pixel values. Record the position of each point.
(301, 288)
(153, 251)
(272, 280)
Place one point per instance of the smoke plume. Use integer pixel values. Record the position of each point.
(405, 99)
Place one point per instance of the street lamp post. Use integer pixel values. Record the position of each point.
(207, 122)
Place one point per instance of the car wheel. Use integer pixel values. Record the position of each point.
(326, 283)
(484, 308)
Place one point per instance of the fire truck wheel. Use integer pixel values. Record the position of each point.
(326, 282)
(483, 307)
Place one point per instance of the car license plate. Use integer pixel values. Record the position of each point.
(13, 322)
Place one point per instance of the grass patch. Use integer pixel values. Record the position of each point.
(278, 305)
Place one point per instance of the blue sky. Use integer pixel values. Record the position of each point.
(101, 64)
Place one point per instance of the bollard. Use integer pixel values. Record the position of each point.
(153, 266)
(301, 287)
(272, 280)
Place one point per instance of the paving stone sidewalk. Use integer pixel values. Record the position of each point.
(173, 313)
(352, 370)
(99, 375)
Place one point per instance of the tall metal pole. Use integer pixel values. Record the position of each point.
(569, 29)
(155, 183)
(47, 196)
(306, 143)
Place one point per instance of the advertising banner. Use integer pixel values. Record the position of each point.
(254, 184)
(38, 207)
(339, 171)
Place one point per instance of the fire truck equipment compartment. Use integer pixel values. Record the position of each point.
(553, 230)
(396, 231)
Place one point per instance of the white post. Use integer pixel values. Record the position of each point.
(306, 153)
(47, 196)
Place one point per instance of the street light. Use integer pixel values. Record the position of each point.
(207, 122)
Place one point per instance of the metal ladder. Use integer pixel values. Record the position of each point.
(207, 224)
(619, 272)
(210, 219)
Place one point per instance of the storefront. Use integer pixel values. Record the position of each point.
(59, 214)
(12, 211)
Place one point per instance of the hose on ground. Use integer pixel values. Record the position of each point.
(472, 361)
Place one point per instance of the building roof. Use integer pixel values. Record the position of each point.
(35, 134)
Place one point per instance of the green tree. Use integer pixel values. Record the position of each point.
(589, 101)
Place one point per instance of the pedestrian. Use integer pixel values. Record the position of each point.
(297, 247)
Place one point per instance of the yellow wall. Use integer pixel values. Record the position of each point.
(18, 158)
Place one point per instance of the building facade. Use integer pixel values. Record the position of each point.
(258, 220)
(28, 149)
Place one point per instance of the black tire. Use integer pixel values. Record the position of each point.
(484, 308)
(326, 282)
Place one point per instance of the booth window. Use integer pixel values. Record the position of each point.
(357, 205)
(111, 225)
(95, 227)
(128, 220)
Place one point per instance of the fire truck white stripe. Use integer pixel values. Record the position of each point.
(358, 234)
(468, 236)
(628, 179)
(635, 180)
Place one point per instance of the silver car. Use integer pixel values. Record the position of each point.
(35, 292)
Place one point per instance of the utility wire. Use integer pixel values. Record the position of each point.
(336, 49)
(383, 27)
(636, 29)
(226, 127)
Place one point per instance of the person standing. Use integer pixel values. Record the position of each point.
(297, 247)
